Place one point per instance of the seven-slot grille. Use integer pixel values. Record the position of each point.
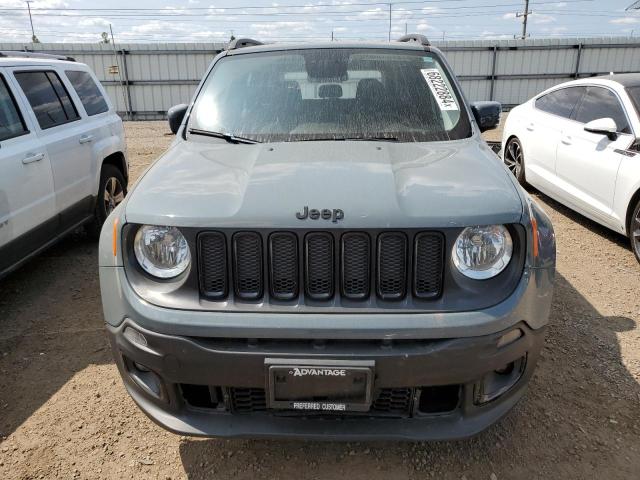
(321, 265)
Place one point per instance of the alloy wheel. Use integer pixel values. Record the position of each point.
(113, 194)
(513, 158)
(635, 232)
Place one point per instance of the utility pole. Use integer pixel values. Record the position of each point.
(127, 105)
(332, 35)
(33, 33)
(525, 16)
(406, 28)
(389, 21)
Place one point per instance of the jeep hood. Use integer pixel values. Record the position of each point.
(210, 183)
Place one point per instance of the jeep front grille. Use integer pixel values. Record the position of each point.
(321, 267)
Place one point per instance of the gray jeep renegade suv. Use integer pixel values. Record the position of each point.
(328, 249)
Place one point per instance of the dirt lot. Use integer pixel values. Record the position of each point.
(65, 414)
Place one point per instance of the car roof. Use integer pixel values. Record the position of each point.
(9, 61)
(332, 45)
(612, 80)
(624, 79)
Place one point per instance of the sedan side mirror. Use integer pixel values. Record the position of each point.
(175, 115)
(603, 126)
(487, 114)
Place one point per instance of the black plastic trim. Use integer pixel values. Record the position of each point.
(236, 274)
(403, 292)
(201, 268)
(330, 293)
(296, 292)
(370, 263)
(414, 282)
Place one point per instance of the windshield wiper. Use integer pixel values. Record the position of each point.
(351, 139)
(370, 139)
(225, 136)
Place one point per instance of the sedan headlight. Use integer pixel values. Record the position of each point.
(162, 251)
(483, 252)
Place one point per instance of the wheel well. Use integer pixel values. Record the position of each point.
(632, 205)
(117, 160)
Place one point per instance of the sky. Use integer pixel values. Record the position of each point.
(300, 20)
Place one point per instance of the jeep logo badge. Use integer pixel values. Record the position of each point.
(334, 215)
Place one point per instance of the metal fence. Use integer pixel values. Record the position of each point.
(150, 78)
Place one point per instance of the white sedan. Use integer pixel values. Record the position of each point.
(578, 143)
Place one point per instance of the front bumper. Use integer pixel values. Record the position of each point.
(233, 365)
(225, 353)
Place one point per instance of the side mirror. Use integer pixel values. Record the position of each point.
(487, 114)
(603, 126)
(175, 115)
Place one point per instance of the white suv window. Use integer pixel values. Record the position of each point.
(48, 98)
(89, 93)
(11, 122)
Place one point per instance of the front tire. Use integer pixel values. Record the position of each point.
(111, 192)
(634, 231)
(514, 159)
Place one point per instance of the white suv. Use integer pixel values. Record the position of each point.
(62, 153)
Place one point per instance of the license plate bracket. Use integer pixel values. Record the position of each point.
(319, 385)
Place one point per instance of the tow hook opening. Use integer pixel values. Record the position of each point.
(202, 396)
(145, 378)
(496, 383)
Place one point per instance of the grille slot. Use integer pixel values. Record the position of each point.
(213, 265)
(247, 258)
(393, 401)
(319, 261)
(356, 270)
(428, 265)
(283, 248)
(392, 265)
(247, 400)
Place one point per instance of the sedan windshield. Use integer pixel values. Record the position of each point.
(331, 94)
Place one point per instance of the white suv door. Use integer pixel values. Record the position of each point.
(28, 217)
(587, 163)
(68, 141)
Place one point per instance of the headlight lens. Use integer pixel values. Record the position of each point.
(483, 252)
(162, 251)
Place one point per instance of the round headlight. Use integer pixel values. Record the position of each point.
(162, 251)
(483, 252)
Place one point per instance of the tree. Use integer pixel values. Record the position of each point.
(105, 38)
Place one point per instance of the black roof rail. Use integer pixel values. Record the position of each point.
(27, 54)
(415, 37)
(243, 42)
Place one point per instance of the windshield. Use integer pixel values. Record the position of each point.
(331, 94)
(634, 93)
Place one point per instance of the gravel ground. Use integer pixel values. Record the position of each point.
(65, 414)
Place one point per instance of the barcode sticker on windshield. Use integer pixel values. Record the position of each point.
(439, 88)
